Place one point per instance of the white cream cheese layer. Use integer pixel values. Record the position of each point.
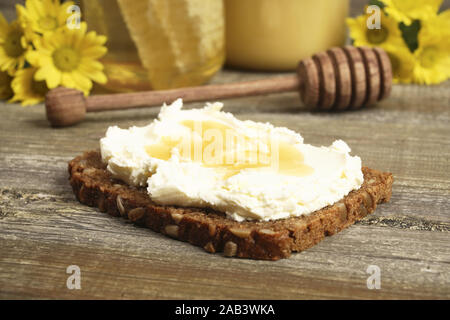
(249, 170)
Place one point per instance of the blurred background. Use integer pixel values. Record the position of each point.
(152, 44)
(356, 7)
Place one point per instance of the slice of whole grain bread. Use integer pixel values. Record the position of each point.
(212, 230)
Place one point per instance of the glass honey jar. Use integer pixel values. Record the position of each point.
(158, 44)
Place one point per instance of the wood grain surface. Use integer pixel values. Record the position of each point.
(43, 229)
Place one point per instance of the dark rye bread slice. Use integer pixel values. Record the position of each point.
(213, 231)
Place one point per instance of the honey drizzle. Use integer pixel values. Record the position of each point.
(217, 148)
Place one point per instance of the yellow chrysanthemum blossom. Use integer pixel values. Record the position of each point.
(26, 89)
(12, 46)
(5, 85)
(408, 10)
(432, 64)
(69, 58)
(402, 61)
(438, 24)
(388, 34)
(43, 16)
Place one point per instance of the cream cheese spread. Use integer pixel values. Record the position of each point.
(249, 170)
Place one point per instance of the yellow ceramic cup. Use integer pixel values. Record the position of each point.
(276, 34)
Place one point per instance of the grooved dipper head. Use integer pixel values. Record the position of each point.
(345, 78)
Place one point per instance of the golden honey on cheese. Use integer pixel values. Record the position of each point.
(249, 170)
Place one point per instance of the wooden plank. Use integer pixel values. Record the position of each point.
(43, 229)
(142, 264)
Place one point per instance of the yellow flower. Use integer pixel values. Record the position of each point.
(408, 10)
(12, 46)
(69, 58)
(402, 61)
(5, 85)
(44, 15)
(388, 34)
(26, 89)
(438, 24)
(432, 57)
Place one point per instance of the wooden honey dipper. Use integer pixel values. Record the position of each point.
(338, 79)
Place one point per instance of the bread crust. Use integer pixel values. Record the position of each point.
(93, 185)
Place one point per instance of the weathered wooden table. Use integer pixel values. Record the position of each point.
(43, 229)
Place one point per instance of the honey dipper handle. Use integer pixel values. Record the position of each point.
(202, 93)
